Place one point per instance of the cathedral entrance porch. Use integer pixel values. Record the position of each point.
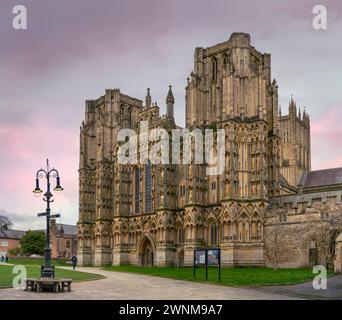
(146, 253)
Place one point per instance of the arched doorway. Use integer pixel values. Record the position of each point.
(146, 253)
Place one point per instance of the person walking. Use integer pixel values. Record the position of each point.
(6, 259)
(2, 259)
(74, 261)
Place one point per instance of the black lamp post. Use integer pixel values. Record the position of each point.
(47, 270)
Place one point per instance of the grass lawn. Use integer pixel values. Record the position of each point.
(229, 276)
(33, 271)
(37, 261)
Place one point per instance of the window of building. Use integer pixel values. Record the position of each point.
(316, 200)
(225, 59)
(214, 69)
(213, 185)
(303, 207)
(4, 243)
(213, 234)
(182, 190)
(136, 190)
(242, 65)
(68, 244)
(148, 187)
(180, 235)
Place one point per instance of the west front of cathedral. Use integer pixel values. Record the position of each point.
(158, 214)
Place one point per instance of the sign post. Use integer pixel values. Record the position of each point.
(199, 258)
(219, 265)
(208, 257)
(206, 265)
(194, 263)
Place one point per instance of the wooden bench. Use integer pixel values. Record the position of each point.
(31, 284)
(48, 283)
(65, 283)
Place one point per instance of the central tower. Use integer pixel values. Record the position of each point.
(231, 87)
(230, 79)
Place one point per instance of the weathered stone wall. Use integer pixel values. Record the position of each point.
(338, 254)
(291, 249)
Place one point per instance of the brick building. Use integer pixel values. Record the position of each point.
(9, 239)
(63, 239)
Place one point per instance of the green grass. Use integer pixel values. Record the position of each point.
(37, 261)
(33, 271)
(229, 276)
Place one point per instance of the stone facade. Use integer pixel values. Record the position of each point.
(338, 255)
(318, 196)
(157, 214)
(295, 153)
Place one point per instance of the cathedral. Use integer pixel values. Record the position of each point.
(158, 214)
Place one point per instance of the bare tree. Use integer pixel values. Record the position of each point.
(5, 223)
(323, 225)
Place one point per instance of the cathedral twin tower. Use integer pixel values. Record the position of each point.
(158, 214)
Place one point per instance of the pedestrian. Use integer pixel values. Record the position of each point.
(6, 258)
(74, 261)
(2, 259)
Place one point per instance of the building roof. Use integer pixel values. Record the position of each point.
(68, 228)
(318, 178)
(11, 234)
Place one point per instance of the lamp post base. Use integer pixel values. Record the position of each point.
(47, 271)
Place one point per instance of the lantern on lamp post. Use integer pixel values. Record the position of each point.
(47, 270)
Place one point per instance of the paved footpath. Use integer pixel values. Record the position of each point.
(332, 292)
(129, 286)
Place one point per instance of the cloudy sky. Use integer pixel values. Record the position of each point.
(74, 49)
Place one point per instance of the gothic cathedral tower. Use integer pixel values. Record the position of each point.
(231, 88)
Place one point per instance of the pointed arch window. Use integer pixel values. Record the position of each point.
(213, 233)
(148, 187)
(214, 69)
(136, 190)
(180, 235)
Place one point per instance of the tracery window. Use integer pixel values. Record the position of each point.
(180, 235)
(136, 190)
(213, 233)
(214, 69)
(148, 187)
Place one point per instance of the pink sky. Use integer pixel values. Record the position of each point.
(74, 49)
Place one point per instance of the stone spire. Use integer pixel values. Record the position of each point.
(292, 106)
(170, 100)
(306, 116)
(148, 99)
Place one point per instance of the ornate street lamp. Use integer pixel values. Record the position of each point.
(47, 270)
